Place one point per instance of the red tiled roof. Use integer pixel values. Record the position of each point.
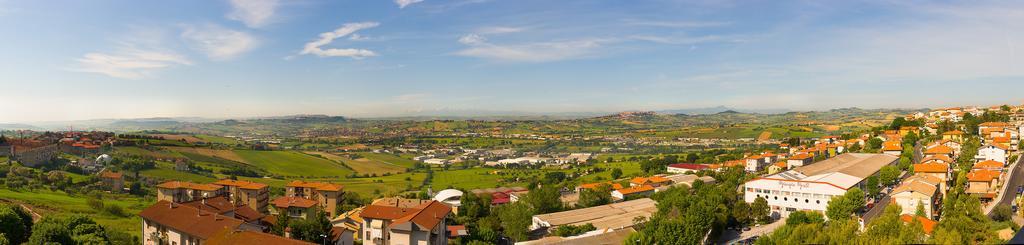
(636, 189)
(982, 175)
(189, 185)
(801, 156)
(592, 186)
(989, 164)
(940, 149)
(188, 219)
(285, 202)
(931, 168)
(320, 186)
(241, 184)
(652, 179)
(927, 225)
(427, 215)
(892, 145)
(111, 175)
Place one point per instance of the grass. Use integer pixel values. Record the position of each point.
(391, 159)
(46, 202)
(138, 151)
(368, 187)
(363, 165)
(166, 171)
(213, 139)
(225, 154)
(291, 163)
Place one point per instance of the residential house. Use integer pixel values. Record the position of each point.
(983, 183)
(918, 190)
(222, 206)
(940, 171)
(995, 152)
(653, 181)
(166, 222)
(594, 186)
(799, 160)
(422, 224)
(755, 163)
(955, 135)
(928, 225)
(295, 207)
(327, 195)
(938, 159)
(113, 180)
(232, 237)
(940, 150)
(892, 147)
(351, 221)
(255, 195)
(777, 167)
(180, 191)
(633, 192)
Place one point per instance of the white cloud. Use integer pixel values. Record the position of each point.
(404, 3)
(254, 13)
(677, 40)
(129, 63)
(528, 52)
(315, 47)
(217, 42)
(472, 39)
(500, 30)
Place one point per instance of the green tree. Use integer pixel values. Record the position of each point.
(595, 197)
(872, 185)
(16, 223)
(544, 199)
(1002, 213)
(741, 213)
(75, 229)
(312, 229)
(874, 144)
(515, 220)
(759, 210)
(845, 206)
(282, 223)
(888, 175)
(804, 217)
(617, 172)
(920, 210)
(573, 230)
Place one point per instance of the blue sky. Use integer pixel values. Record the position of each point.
(237, 58)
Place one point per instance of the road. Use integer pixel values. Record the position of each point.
(1010, 187)
(730, 236)
(876, 210)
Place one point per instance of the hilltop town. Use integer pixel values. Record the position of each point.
(947, 175)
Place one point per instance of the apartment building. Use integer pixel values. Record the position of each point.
(180, 191)
(394, 224)
(327, 195)
(255, 195)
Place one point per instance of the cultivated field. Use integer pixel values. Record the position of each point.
(362, 165)
(225, 154)
(291, 163)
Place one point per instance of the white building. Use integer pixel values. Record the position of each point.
(994, 152)
(811, 187)
(436, 161)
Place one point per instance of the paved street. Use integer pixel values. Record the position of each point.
(1010, 188)
(732, 236)
(876, 210)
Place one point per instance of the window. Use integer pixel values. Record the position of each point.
(818, 201)
(807, 201)
(776, 198)
(785, 199)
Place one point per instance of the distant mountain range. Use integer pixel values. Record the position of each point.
(718, 109)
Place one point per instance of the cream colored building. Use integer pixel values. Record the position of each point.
(422, 224)
(918, 190)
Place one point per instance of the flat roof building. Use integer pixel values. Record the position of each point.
(611, 216)
(811, 187)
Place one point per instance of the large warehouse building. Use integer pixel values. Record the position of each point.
(811, 187)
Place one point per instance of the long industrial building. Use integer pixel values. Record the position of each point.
(811, 187)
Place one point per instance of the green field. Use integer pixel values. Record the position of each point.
(47, 202)
(217, 139)
(363, 165)
(166, 171)
(368, 187)
(138, 151)
(294, 164)
(391, 159)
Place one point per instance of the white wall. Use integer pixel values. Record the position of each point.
(817, 199)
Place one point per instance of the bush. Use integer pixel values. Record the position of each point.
(1002, 213)
(94, 203)
(115, 210)
(572, 230)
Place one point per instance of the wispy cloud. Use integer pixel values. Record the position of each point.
(254, 13)
(677, 40)
(217, 42)
(129, 62)
(479, 47)
(404, 3)
(500, 30)
(315, 47)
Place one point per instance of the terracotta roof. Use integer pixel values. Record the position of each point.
(217, 204)
(457, 231)
(188, 219)
(982, 175)
(231, 237)
(320, 186)
(916, 186)
(954, 132)
(927, 178)
(940, 149)
(780, 164)
(241, 184)
(427, 215)
(637, 189)
(399, 202)
(994, 124)
(801, 156)
(615, 186)
(652, 179)
(284, 202)
(111, 175)
(927, 225)
(943, 158)
(989, 164)
(931, 168)
(1000, 146)
(892, 145)
(383, 212)
(189, 185)
(688, 166)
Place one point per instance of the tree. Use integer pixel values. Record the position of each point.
(804, 217)
(554, 177)
(595, 197)
(15, 223)
(75, 229)
(515, 220)
(845, 206)
(573, 230)
(759, 210)
(920, 210)
(897, 123)
(854, 148)
(872, 185)
(544, 199)
(741, 213)
(874, 144)
(617, 172)
(888, 175)
(1002, 213)
(282, 223)
(312, 229)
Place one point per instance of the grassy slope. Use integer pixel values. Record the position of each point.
(49, 202)
(290, 163)
(363, 165)
(388, 158)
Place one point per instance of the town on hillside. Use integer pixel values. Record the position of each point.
(926, 172)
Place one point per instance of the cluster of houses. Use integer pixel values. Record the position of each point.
(235, 211)
(43, 148)
(495, 157)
